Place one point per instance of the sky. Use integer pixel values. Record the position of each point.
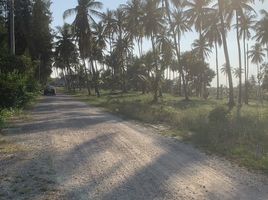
(59, 6)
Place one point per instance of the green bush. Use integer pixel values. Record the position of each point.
(17, 83)
(5, 114)
(12, 90)
(218, 115)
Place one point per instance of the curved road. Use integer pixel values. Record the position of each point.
(70, 150)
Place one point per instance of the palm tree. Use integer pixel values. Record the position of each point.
(167, 11)
(197, 12)
(134, 13)
(110, 26)
(203, 49)
(238, 8)
(262, 30)
(224, 71)
(99, 32)
(245, 25)
(165, 48)
(221, 9)
(98, 43)
(237, 72)
(180, 25)
(153, 24)
(83, 16)
(213, 34)
(66, 54)
(123, 50)
(257, 56)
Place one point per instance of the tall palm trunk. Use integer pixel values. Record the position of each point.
(247, 63)
(70, 77)
(87, 80)
(11, 28)
(226, 53)
(139, 47)
(95, 79)
(245, 68)
(141, 41)
(217, 71)
(156, 82)
(240, 62)
(177, 49)
(258, 76)
(202, 82)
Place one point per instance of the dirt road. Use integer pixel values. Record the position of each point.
(68, 150)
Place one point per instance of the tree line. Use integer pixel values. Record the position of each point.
(23, 71)
(108, 39)
(97, 50)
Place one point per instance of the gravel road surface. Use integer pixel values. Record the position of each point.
(69, 150)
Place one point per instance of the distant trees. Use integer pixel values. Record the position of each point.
(107, 40)
(66, 55)
(83, 32)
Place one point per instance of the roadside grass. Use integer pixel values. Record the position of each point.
(240, 135)
(10, 115)
(7, 114)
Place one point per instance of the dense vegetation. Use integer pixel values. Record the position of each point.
(107, 42)
(22, 72)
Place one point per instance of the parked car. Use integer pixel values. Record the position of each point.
(50, 90)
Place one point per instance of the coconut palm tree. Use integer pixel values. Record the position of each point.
(98, 43)
(165, 49)
(213, 34)
(257, 57)
(177, 4)
(221, 6)
(197, 12)
(123, 50)
(83, 17)
(237, 72)
(262, 30)
(66, 54)
(203, 49)
(153, 24)
(238, 8)
(110, 26)
(120, 19)
(246, 25)
(179, 25)
(224, 71)
(134, 13)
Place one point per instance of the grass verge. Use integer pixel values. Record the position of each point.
(7, 114)
(240, 135)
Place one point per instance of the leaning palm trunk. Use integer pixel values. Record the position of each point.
(226, 53)
(240, 62)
